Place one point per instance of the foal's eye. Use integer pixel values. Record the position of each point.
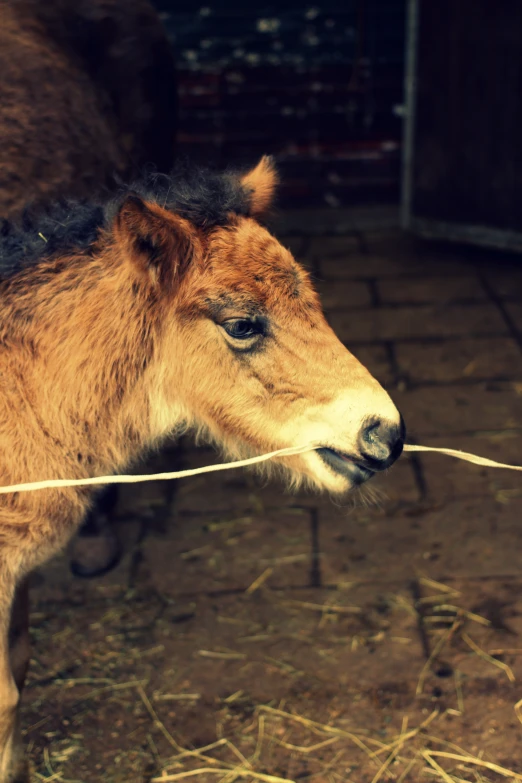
(241, 328)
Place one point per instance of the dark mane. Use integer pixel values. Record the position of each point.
(204, 197)
(60, 228)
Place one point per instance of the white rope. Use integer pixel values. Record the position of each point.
(32, 486)
(488, 463)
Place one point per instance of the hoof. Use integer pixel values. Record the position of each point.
(95, 555)
(18, 772)
(22, 773)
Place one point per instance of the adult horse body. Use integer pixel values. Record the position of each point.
(166, 308)
(87, 91)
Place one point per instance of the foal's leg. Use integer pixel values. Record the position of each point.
(97, 548)
(19, 641)
(12, 766)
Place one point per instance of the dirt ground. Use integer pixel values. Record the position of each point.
(253, 635)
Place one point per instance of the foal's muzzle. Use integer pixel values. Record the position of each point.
(380, 444)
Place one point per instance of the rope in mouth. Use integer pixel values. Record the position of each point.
(32, 486)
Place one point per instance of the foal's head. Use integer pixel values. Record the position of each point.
(246, 354)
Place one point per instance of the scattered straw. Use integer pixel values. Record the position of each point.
(489, 658)
(457, 610)
(474, 761)
(120, 686)
(323, 608)
(239, 771)
(411, 748)
(177, 696)
(408, 768)
(380, 772)
(157, 722)
(233, 697)
(324, 728)
(506, 651)
(190, 774)
(304, 749)
(403, 738)
(226, 656)
(444, 775)
(427, 582)
(457, 615)
(260, 737)
(259, 582)
(458, 690)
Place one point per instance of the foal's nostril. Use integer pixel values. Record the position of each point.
(381, 443)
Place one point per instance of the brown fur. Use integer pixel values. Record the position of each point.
(104, 353)
(87, 92)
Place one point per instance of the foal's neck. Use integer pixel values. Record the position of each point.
(83, 335)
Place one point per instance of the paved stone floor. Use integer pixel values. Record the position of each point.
(310, 639)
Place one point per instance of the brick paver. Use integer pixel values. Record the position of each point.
(514, 311)
(401, 323)
(345, 293)
(459, 360)
(506, 280)
(429, 290)
(441, 410)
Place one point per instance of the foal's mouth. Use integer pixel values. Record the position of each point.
(345, 465)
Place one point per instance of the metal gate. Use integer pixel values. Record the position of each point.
(462, 154)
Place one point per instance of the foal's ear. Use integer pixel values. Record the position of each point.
(261, 183)
(159, 243)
